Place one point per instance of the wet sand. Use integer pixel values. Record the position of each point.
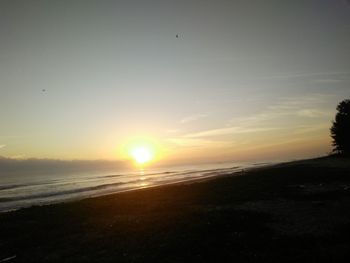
(292, 212)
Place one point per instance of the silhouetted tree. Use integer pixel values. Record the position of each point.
(340, 130)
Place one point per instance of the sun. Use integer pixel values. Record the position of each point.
(142, 154)
(141, 150)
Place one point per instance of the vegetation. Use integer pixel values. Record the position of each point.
(340, 130)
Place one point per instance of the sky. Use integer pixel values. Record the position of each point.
(244, 80)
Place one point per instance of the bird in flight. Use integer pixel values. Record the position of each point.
(177, 36)
(43, 90)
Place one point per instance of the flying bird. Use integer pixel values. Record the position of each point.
(177, 36)
(43, 90)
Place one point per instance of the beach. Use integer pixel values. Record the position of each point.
(289, 212)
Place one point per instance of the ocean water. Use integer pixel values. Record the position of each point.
(19, 191)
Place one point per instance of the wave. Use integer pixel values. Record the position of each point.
(10, 186)
(45, 190)
(64, 192)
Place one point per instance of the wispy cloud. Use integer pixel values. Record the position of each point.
(328, 80)
(288, 115)
(184, 142)
(307, 75)
(311, 107)
(2, 146)
(193, 118)
(227, 131)
(311, 129)
(313, 113)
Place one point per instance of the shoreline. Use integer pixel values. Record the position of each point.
(175, 182)
(239, 172)
(287, 212)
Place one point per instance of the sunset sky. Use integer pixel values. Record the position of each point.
(244, 80)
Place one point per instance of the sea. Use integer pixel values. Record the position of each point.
(21, 190)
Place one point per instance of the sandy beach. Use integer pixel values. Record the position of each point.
(291, 212)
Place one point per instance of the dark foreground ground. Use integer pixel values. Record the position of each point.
(295, 212)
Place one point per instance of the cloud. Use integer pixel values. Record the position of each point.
(2, 146)
(311, 107)
(195, 142)
(312, 129)
(328, 80)
(307, 75)
(228, 131)
(193, 118)
(288, 114)
(313, 113)
(289, 119)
